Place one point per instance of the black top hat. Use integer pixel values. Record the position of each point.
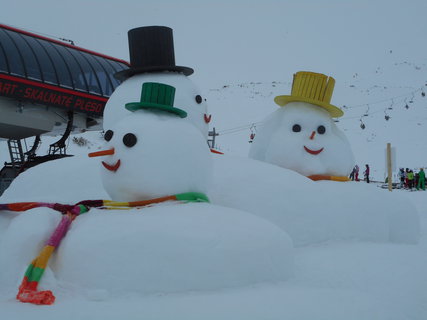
(151, 50)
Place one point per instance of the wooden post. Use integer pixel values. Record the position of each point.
(390, 185)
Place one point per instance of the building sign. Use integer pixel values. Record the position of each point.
(41, 93)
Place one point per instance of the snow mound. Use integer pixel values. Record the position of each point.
(67, 180)
(22, 242)
(312, 212)
(161, 249)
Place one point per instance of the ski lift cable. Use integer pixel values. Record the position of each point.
(385, 100)
(234, 131)
(390, 107)
(240, 128)
(231, 130)
(252, 126)
(359, 117)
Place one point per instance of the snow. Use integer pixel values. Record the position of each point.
(177, 248)
(359, 251)
(162, 249)
(170, 156)
(28, 233)
(85, 181)
(277, 143)
(314, 212)
(185, 98)
(345, 264)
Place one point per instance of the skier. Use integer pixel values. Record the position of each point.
(354, 175)
(402, 177)
(351, 176)
(421, 180)
(410, 176)
(356, 172)
(406, 178)
(416, 179)
(366, 173)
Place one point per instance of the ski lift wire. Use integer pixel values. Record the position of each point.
(385, 100)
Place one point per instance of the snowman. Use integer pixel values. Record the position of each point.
(154, 144)
(301, 140)
(154, 155)
(302, 135)
(169, 239)
(152, 59)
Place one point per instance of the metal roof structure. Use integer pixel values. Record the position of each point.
(33, 57)
(43, 72)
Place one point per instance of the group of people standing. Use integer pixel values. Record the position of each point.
(354, 175)
(410, 180)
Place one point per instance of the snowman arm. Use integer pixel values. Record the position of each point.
(28, 289)
(24, 206)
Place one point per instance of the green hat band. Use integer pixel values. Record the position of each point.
(158, 96)
(158, 93)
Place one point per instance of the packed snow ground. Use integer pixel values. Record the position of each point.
(346, 276)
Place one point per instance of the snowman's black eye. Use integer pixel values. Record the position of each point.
(296, 128)
(108, 135)
(321, 129)
(129, 140)
(199, 99)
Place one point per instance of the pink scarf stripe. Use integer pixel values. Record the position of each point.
(60, 231)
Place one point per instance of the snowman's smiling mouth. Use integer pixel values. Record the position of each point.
(208, 118)
(113, 167)
(313, 151)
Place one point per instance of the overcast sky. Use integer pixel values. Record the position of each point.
(229, 41)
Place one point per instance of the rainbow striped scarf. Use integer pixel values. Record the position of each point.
(28, 288)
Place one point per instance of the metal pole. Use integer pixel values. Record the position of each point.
(212, 134)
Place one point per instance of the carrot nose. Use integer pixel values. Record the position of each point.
(312, 135)
(101, 153)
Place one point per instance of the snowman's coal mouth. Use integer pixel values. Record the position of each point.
(313, 151)
(111, 167)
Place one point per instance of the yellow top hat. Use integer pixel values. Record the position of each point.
(314, 88)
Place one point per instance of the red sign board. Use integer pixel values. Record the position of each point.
(45, 94)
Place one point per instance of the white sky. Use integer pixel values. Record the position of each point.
(227, 41)
(234, 42)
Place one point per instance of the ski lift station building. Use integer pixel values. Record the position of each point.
(50, 87)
